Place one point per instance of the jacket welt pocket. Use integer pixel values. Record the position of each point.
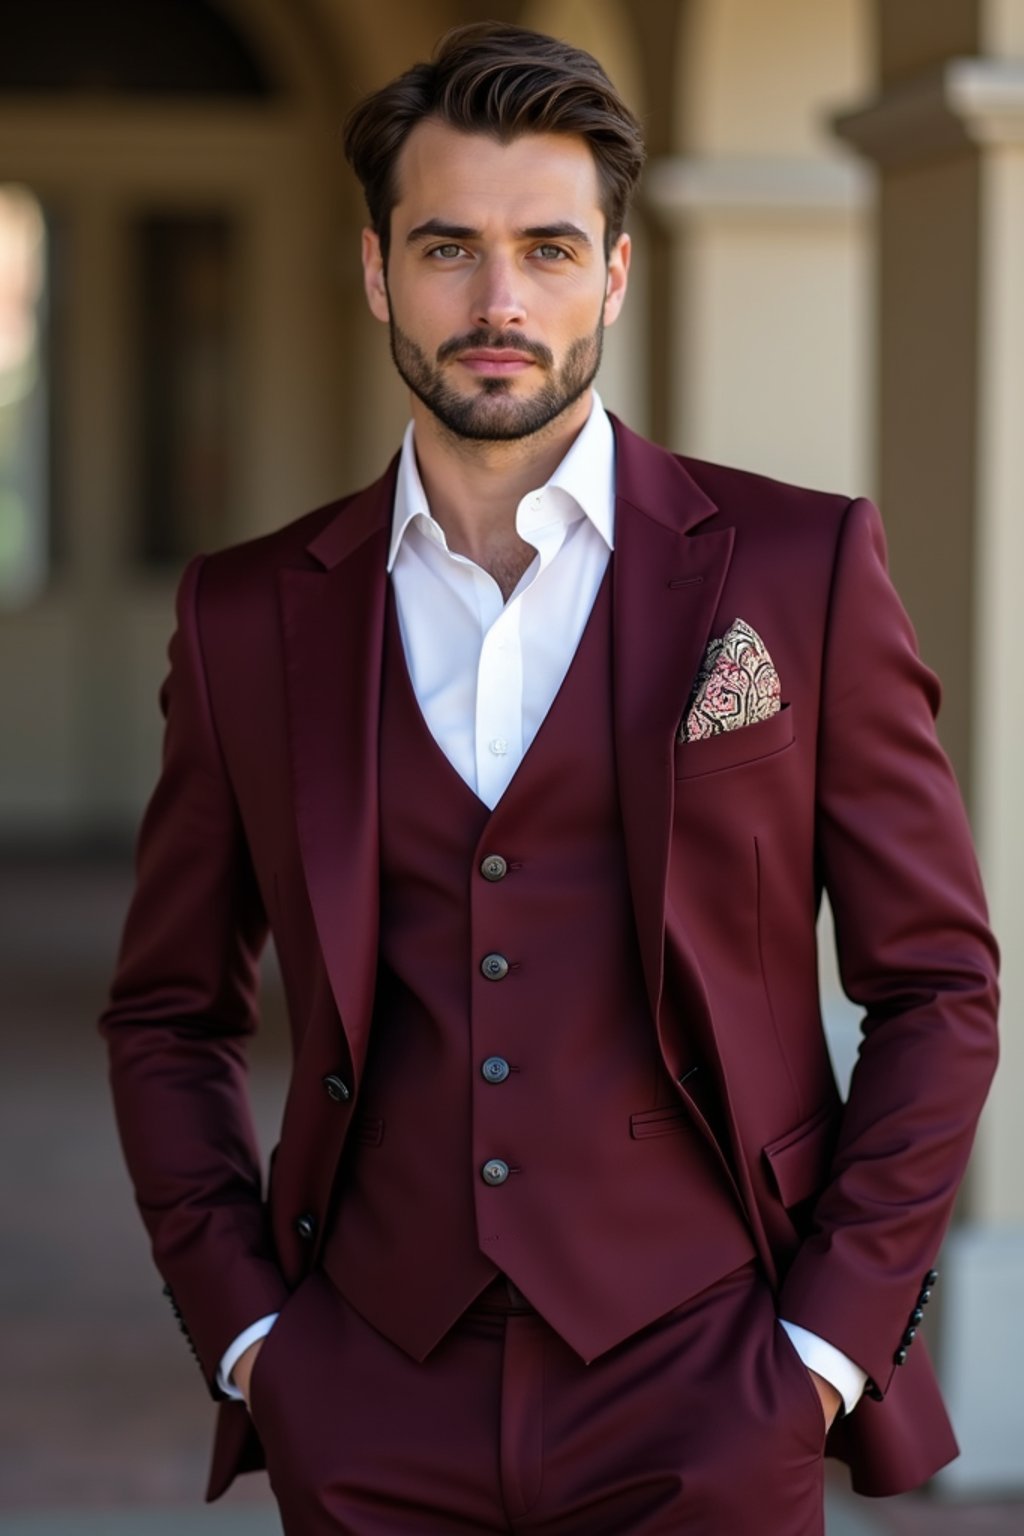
(731, 749)
(658, 1122)
(799, 1160)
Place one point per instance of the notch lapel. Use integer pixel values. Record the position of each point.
(332, 625)
(667, 585)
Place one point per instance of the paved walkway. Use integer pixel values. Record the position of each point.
(104, 1425)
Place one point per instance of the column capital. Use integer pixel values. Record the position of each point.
(967, 101)
(679, 187)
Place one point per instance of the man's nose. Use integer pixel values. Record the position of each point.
(498, 299)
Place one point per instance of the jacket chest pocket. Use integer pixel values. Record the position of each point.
(745, 747)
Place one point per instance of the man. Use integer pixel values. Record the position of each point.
(535, 757)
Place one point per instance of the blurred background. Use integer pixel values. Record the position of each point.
(828, 287)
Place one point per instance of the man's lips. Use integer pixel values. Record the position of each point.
(495, 361)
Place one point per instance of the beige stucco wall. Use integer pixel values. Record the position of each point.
(771, 323)
(758, 78)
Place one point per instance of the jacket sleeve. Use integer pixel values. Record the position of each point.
(915, 951)
(182, 1004)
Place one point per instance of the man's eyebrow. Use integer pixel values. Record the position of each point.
(440, 229)
(560, 231)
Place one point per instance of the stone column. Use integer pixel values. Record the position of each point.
(763, 230)
(946, 133)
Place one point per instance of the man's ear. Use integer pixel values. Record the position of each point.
(618, 278)
(374, 279)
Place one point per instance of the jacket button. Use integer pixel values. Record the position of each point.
(337, 1088)
(931, 1277)
(900, 1357)
(494, 867)
(305, 1226)
(494, 967)
(495, 1069)
(495, 1171)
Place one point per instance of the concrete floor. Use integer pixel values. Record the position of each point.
(104, 1424)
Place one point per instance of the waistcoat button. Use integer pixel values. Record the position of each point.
(494, 867)
(495, 1069)
(305, 1226)
(494, 967)
(337, 1088)
(494, 1172)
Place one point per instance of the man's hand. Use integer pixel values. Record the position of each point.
(245, 1362)
(831, 1402)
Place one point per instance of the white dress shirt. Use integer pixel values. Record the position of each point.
(485, 671)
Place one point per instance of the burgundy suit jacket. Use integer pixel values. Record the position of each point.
(265, 816)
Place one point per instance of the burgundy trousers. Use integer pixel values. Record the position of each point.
(704, 1424)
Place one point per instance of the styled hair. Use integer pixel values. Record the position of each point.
(504, 81)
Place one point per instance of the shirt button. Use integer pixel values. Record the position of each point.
(494, 967)
(495, 1171)
(495, 1069)
(498, 745)
(494, 867)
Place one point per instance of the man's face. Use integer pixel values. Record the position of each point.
(497, 290)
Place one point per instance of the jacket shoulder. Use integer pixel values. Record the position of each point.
(743, 496)
(266, 553)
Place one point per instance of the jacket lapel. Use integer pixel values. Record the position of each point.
(332, 617)
(668, 578)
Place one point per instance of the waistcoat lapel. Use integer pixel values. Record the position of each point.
(333, 625)
(668, 578)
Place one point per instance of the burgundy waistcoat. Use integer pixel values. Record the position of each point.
(512, 1031)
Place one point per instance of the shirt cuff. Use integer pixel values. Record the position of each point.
(838, 1369)
(234, 1352)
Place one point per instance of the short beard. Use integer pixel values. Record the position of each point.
(495, 414)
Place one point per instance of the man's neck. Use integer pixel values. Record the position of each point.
(474, 488)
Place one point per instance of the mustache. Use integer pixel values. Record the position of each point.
(503, 341)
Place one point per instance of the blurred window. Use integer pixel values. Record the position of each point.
(188, 382)
(25, 395)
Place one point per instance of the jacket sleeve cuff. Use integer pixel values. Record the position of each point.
(237, 1349)
(837, 1369)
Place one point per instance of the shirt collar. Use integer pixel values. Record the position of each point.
(586, 475)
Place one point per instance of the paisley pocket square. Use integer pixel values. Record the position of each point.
(737, 685)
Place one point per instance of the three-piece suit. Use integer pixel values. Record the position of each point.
(558, 1065)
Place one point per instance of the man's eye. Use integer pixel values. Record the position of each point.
(552, 253)
(448, 251)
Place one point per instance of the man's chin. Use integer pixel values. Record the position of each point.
(496, 415)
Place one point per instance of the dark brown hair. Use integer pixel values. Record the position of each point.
(503, 81)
